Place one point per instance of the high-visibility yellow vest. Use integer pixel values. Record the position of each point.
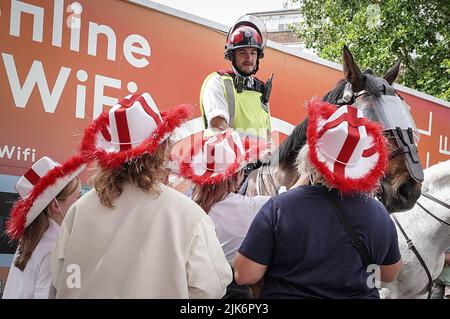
(247, 112)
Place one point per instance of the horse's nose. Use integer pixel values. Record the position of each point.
(408, 193)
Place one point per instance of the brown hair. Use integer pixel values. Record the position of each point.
(33, 233)
(207, 195)
(145, 172)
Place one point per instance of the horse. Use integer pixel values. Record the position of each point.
(401, 185)
(427, 225)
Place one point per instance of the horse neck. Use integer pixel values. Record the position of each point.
(437, 178)
(439, 232)
(423, 228)
(442, 230)
(285, 155)
(437, 183)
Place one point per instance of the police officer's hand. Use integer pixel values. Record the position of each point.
(219, 123)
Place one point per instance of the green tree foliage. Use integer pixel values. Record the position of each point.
(380, 32)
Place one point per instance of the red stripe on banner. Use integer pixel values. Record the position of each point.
(211, 152)
(105, 132)
(370, 151)
(350, 143)
(32, 176)
(207, 174)
(234, 146)
(128, 102)
(192, 143)
(149, 110)
(122, 128)
(349, 117)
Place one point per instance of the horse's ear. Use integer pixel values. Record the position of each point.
(392, 74)
(352, 72)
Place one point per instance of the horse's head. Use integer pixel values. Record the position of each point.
(379, 101)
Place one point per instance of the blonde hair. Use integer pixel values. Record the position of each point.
(33, 233)
(208, 195)
(305, 167)
(145, 172)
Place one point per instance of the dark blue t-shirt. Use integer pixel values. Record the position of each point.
(307, 250)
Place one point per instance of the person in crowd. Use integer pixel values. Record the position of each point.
(131, 236)
(46, 191)
(216, 167)
(235, 98)
(331, 238)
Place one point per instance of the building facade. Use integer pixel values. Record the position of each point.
(279, 23)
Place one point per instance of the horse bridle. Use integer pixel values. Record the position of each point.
(350, 98)
(404, 137)
(259, 177)
(410, 243)
(406, 147)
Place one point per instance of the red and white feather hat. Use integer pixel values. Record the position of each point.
(218, 157)
(37, 188)
(129, 129)
(348, 149)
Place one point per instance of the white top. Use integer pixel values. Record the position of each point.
(146, 246)
(232, 218)
(34, 281)
(214, 101)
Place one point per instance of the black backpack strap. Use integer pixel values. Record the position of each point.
(356, 240)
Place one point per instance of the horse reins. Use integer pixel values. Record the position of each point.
(434, 199)
(272, 181)
(400, 150)
(410, 242)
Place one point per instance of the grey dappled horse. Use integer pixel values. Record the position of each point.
(427, 224)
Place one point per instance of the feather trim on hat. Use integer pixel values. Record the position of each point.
(252, 152)
(170, 121)
(15, 226)
(367, 183)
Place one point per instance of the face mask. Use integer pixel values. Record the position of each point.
(59, 207)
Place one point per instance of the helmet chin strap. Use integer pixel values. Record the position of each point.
(257, 64)
(233, 62)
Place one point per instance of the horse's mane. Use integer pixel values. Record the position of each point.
(436, 176)
(288, 150)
